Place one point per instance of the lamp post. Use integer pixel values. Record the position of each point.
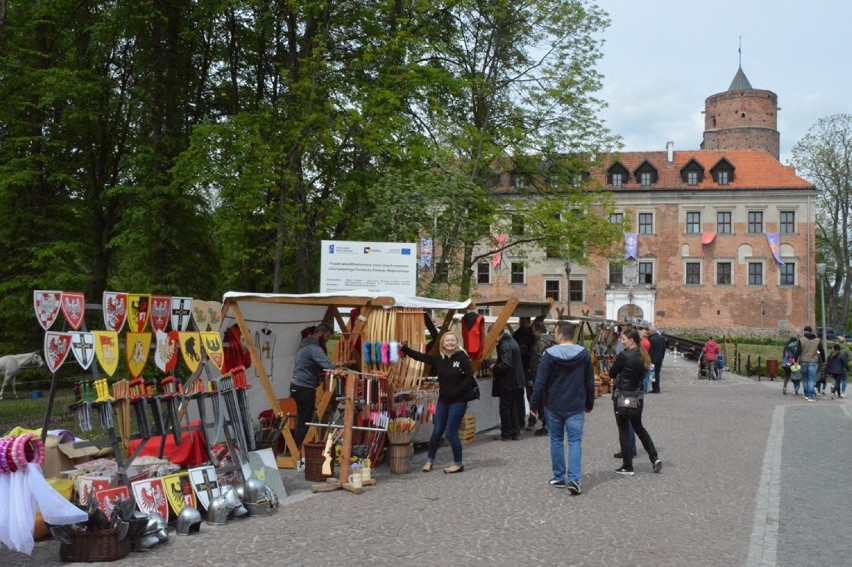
(568, 286)
(821, 272)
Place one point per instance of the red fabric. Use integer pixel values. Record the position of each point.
(186, 454)
(235, 353)
(473, 334)
(646, 344)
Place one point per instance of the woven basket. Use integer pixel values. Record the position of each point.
(314, 461)
(89, 547)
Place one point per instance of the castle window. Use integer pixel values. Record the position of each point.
(616, 180)
(483, 272)
(517, 272)
(645, 178)
(616, 273)
(755, 273)
(723, 172)
(755, 222)
(722, 177)
(646, 174)
(646, 223)
(692, 173)
(693, 273)
(646, 272)
(787, 222)
(693, 223)
(723, 222)
(723, 273)
(787, 274)
(551, 289)
(617, 175)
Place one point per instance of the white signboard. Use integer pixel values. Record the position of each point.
(374, 266)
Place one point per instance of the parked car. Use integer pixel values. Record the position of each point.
(830, 334)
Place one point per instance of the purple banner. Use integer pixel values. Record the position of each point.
(774, 240)
(631, 245)
(425, 252)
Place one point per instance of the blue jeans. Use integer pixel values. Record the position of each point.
(809, 372)
(447, 418)
(558, 423)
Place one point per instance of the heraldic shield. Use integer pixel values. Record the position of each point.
(137, 314)
(151, 496)
(202, 479)
(213, 347)
(56, 349)
(47, 305)
(83, 346)
(166, 353)
(115, 310)
(179, 492)
(138, 348)
(181, 313)
(161, 311)
(106, 349)
(190, 349)
(74, 308)
(109, 497)
(207, 315)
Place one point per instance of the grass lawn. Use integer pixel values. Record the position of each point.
(29, 413)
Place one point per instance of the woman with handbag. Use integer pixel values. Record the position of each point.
(628, 373)
(456, 386)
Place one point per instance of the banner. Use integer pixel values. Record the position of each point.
(499, 242)
(706, 239)
(425, 252)
(631, 245)
(774, 240)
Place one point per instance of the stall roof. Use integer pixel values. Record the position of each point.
(352, 298)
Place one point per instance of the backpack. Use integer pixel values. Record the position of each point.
(790, 350)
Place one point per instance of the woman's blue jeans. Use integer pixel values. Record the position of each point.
(447, 418)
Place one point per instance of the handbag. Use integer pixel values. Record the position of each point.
(473, 392)
(627, 402)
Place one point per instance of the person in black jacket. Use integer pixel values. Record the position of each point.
(627, 373)
(658, 353)
(455, 378)
(509, 383)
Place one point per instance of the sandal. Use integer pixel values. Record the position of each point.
(427, 467)
(451, 470)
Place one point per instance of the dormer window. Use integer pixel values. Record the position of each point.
(692, 173)
(617, 175)
(518, 181)
(723, 172)
(646, 174)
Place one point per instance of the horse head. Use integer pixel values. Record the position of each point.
(36, 358)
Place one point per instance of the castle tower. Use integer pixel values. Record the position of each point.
(742, 118)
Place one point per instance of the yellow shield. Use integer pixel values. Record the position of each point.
(137, 314)
(179, 492)
(213, 347)
(138, 347)
(106, 349)
(190, 349)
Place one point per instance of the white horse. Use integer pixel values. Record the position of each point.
(12, 363)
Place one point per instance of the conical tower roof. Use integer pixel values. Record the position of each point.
(740, 82)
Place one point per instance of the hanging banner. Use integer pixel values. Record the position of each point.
(179, 492)
(165, 355)
(106, 349)
(74, 308)
(83, 346)
(425, 252)
(207, 315)
(499, 242)
(181, 313)
(137, 316)
(190, 349)
(138, 347)
(151, 496)
(56, 349)
(213, 347)
(631, 245)
(774, 240)
(115, 310)
(161, 310)
(706, 239)
(47, 305)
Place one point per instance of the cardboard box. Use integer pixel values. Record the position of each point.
(60, 456)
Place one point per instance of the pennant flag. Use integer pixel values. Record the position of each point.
(179, 491)
(213, 347)
(425, 252)
(138, 347)
(774, 240)
(106, 349)
(47, 305)
(115, 310)
(138, 314)
(74, 308)
(499, 242)
(190, 349)
(706, 238)
(165, 355)
(161, 308)
(56, 348)
(206, 314)
(631, 245)
(83, 345)
(181, 313)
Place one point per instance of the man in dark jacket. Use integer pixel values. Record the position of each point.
(509, 382)
(658, 353)
(566, 382)
(543, 341)
(308, 371)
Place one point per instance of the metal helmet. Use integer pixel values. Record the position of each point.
(231, 500)
(272, 497)
(161, 521)
(239, 511)
(241, 493)
(188, 521)
(217, 512)
(253, 491)
(162, 535)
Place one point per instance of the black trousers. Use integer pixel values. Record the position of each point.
(510, 418)
(624, 437)
(655, 387)
(306, 401)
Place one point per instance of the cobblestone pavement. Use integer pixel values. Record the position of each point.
(750, 477)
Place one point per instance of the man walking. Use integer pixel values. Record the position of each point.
(566, 382)
(810, 358)
(543, 341)
(658, 353)
(508, 384)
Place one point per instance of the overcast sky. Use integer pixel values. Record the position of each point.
(663, 58)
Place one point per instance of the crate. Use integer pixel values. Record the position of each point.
(467, 429)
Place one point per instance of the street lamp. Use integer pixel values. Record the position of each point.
(568, 276)
(821, 272)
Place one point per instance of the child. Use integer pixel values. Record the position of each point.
(835, 367)
(795, 376)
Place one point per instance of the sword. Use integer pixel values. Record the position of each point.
(234, 415)
(239, 387)
(199, 398)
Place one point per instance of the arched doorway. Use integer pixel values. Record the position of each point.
(630, 311)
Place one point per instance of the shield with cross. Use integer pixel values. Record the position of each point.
(83, 347)
(205, 484)
(181, 313)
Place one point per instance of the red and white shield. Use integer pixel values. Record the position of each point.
(56, 349)
(74, 308)
(181, 313)
(47, 305)
(151, 496)
(166, 353)
(161, 312)
(115, 310)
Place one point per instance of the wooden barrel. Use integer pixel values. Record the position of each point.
(399, 458)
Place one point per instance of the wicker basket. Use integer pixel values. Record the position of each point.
(314, 461)
(90, 547)
(399, 458)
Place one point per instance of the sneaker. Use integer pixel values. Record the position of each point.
(807, 399)
(624, 471)
(842, 396)
(658, 465)
(541, 432)
(619, 455)
(784, 391)
(557, 483)
(574, 488)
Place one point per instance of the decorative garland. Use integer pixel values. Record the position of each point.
(18, 452)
